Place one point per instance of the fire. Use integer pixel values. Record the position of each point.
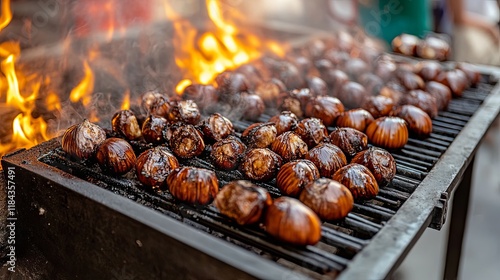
(6, 16)
(203, 56)
(126, 101)
(83, 91)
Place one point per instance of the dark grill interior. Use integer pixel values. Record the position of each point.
(341, 240)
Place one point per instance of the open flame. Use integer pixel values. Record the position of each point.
(83, 91)
(203, 56)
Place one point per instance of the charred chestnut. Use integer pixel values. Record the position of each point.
(349, 140)
(356, 118)
(186, 141)
(379, 106)
(441, 92)
(312, 131)
(125, 123)
(229, 83)
(325, 108)
(328, 198)
(455, 79)
(259, 135)
(405, 44)
(388, 132)
(380, 163)
(227, 153)
(422, 100)
(260, 164)
(153, 166)
(295, 175)
(353, 95)
(115, 155)
(81, 140)
(243, 201)
(358, 179)
(152, 129)
(288, 220)
(285, 121)
(327, 158)
(185, 111)
(216, 127)
(419, 123)
(193, 185)
(155, 103)
(289, 146)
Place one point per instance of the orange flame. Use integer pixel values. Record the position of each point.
(126, 101)
(6, 16)
(83, 91)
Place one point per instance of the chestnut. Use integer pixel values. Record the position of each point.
(433, 48)
(229, 83)
(388, 132)
(371, 82)
(336, 57)
(227, 153)
(153, 166)
(289, 74)
(312, 131)
(429, 70)
(355, 67)
(441, 92)
(422, 100)
(155, 103)
(205, 96)
(327, 157)
(243, 201)
(328, 198)
(290, 103)
(455, 79)
(185, 111)
(304, 95)
(356, 118)
(358, 179)
(405, 44)
(259, 135)
(394, 92)
(116, 156)
(317, 85)
(268, 92)
(289, 146)
(252, 106)
(325, 108)
(352, 95)
(385, 69)
(303, 63)
(335, 80)
(288, 220)
(186, 141)
(410, 80)
(380, 163)
(295, 175)
(152, 129)
(349, 140)
(251, 73)
(125, 123)
(472, 73)
(81, 140)
(284, 122)
(419, 123)
(216, 127)
(260, 164)
(193, 185)
(379, 106)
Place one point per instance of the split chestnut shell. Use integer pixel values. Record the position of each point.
(380, 163)
(295, 175)
(349, 140)
(81, 140)
(153, 166)
(115, 155)
(358, 179)
(289, 146)
(125, 123)
(260, 164)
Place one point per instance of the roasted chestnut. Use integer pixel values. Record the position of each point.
(186, 141)
(349, 140)
(193, 185)
(388, 132)
(328, 198)
(81, 140)
(269, 92)
(243, 201)
(227, 153)
(295, 175)
(325, 108)
(352, 95)
(285, 121)
(441, 92)
(204, 96)
(317, 85)
(356, 118)
(289, 74)
(410, 80)
(251, 73)
(290, 103)
(371, 82)
(358, 179)
(288, 220)
(252, 106)
(433, 48)
(422, 100)
(378, 106)
(185, 111)
(335, 80)
(216, 127)
(260, 164)
(289, 146)
(153, 166)
(419, 123)
(327, 158)
(125, 123)
(385, 69)
(229, 83)
(312, 131)
(405, 44)
(471, 72)
(380, 163)
(429, 70)
(115, 155)
(259, 135)
(156, 104)
(455, 79)
(304, 95)
(152, 129)
(356, 67)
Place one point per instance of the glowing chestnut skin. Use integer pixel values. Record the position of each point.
(429, 70)
(352, 95)
(227, 153)
(259, 135)
(325, 108)
(419, 123)
(125, 123)
(285, 121)
(156, 104)
(186, 141)
(358, 179)
(229, 83)
(356, 118)
(216, 127)
(349, 140)
(472, 73)
(380, 163)
(388, 132)
(441, 92)
(405, 44)
(185, 111)
(193, 185)
(243, 201)
(455, 79)
(329, 199)
(115, 155)
(379, 106)
(82, 140)
(152, 129)
(204, 96)
(290, 221)
(328, 158)
(295, 175)
(289, 146)
(260, 164)
(153, 166)
(422, 100)
(312, 131)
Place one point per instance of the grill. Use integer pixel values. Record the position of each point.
(103, 226)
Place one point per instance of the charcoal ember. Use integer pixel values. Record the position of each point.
(285, 121)
(455, 79)
(379, 106)
(353, 95)
(312, 131)
(229, 83)
(441, 92)
(155, 103)
(422, 100)
(317, 86)
(429, 70)
(205, 96)
(185, 111)
(371, 82)
(325, 108)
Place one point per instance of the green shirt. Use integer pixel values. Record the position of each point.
(387, 19)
